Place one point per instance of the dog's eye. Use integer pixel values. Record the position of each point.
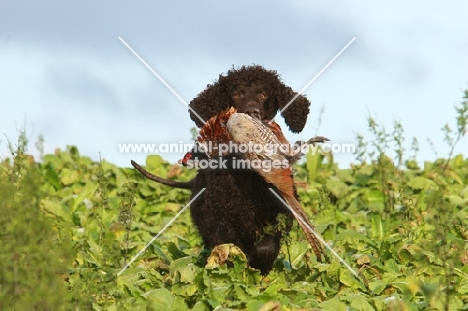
(236, 95)
(261, 96)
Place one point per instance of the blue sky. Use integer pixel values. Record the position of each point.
(66, 75)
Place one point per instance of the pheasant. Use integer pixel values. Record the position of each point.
(213, 134)
(230, 126)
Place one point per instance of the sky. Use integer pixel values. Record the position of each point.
(65, 75)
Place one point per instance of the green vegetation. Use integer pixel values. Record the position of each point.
(69, 225)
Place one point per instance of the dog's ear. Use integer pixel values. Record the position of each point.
(208, 103)
(294, 114)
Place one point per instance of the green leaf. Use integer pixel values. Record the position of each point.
(350, 280)
(353, 237)
(314, 161)
(129, 279)
(364, 175)
(334, 304)
(379, 227)
(162, 299)
(53, 161)
(422, 183)
(456, 200)
(377, 287)
(338, 188)
(464, 193)
(359, 302)
(159, 252)
(58, 209)
(51, 177)
(69, 176)
(392, 266)
(175, 252)
(156, 165)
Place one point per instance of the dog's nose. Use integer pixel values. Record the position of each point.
(254, 113)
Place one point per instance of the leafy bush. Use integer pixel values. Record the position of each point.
(69, 226)
(33, 259)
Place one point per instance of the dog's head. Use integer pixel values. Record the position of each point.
(250, 98)
(255, 91)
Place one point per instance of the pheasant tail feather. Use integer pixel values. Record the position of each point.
(306, 226)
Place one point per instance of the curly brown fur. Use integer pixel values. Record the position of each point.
(238, 208)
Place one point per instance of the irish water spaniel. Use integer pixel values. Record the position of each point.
(237, 206)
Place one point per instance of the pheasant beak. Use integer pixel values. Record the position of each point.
(254, 113)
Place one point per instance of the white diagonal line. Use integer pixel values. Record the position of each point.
(160, 78)
(160, 232)
(316, 76)
(299, 218)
